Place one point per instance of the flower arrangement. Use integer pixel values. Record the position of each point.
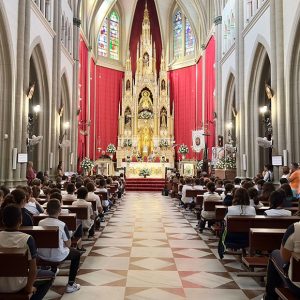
(145, 172)
(127, 143)
(145, 114)
(87, 164)
(163, 144)
(226, 163)
(183, 149)
(111, 148)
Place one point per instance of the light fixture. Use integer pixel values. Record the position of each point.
(263, 109)
(229, 125)
(37, 109)
(66, 125)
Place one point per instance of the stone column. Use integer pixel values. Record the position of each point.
(21, 106)
(279, 101)
(218, 69)
(53, 115)
(74, 108)
(241, 133)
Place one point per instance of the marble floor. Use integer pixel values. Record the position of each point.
(149, 249)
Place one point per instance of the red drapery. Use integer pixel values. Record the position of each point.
(82, 118)
(210, 83)
(183, 95)
(136, 31)
(108, 97)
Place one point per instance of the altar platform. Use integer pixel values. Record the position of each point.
(157, 169)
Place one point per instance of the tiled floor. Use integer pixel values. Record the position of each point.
(150, 250)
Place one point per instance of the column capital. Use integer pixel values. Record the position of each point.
(218, 20)
(76, 22)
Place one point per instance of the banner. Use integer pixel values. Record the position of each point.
(198, 140)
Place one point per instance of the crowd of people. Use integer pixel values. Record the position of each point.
(242, 198)
(19, 205)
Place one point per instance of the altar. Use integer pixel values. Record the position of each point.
(157, 170)
(146, 117)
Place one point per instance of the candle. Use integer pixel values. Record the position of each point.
(50, 160)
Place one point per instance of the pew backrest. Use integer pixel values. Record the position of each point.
(13, 262)
(68, 219)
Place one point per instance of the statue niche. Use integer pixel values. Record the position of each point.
(127, 118)
(163, 118)
(145, 103)
(145, 144)
(128, 85)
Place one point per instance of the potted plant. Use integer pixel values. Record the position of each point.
(226, 168)
(183, 150)
(145, 172)
(87, 165)
(111, 149)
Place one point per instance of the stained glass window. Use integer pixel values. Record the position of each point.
(189, 38)
(177, 34)
(103, 39)
(114, 36)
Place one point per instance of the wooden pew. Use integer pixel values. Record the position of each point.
(244, 223)
(262, 239)
(44, 236)
(192, 193)
(285, 293)
(69, 202)
(80, 211)
(102, 195)
(68, 219)
(14, 263)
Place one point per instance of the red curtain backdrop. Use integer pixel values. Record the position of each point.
(183, 96)
(92, 149)
(210, 84)
(108, 97)
(136, 31)
(199, 94)
(82, 118)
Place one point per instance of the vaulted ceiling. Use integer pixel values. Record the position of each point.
(201, 14)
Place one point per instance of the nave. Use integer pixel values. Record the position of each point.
(150, 250)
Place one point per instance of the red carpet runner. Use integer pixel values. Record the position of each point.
(145, 184)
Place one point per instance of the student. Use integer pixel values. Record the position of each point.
(228, 194)
(11, 237)
(70, 192)
(20, 199)
(81, 201)
(63, 252)
(32, 205)
(279, 264)
(267, 173)
(253, 195)
(187, 186)
(211, 195)
(237, 182)
(93, 197)
(289, 198)
(276, 200)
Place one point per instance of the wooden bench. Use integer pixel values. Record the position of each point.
(192, 193)
(69, 202)
(14, 263)
(285, 293)
(244, 223)
(68, 219)
(261, 239)
(80, 211)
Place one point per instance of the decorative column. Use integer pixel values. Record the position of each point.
(74, 108)
(18, 133)
(88, 99)
(240, 93)
(218, 90)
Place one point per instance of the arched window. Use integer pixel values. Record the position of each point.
(183, 37)
(177, 30)
(109, 37)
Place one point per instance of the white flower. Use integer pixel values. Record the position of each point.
(111, 148)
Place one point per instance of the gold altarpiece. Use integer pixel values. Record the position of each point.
(145, 117)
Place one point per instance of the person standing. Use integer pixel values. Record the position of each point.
(294, 179)
(30, 174)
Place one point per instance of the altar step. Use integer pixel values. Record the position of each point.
(144, 184)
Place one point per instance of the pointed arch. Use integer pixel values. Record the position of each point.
(260, 74)
(41, 97)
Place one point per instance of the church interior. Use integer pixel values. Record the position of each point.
(154, 113)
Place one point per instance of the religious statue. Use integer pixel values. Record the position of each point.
(127, 118)
(145, 102)
(163, 118)
(128, 85)
(145, 141)
(146, 59)
(163, 85)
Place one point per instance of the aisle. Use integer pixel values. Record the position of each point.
(149, 250)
